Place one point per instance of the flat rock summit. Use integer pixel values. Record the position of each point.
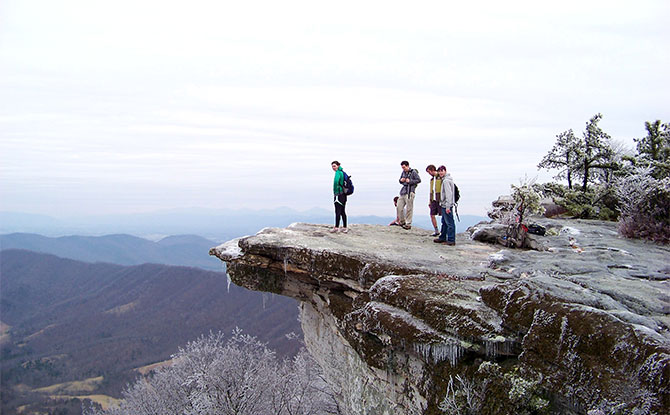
(402, 325)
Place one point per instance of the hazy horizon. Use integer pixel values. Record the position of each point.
(218, 225)
(137, 106)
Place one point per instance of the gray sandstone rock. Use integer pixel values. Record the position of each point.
(581, 325)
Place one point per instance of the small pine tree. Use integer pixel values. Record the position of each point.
(654, 149)
(526, 200)
(562, 156)
(594, 152)
(594, 158)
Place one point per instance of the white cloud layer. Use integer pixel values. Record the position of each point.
(137, 105)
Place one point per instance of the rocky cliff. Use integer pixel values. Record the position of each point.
(402, 325)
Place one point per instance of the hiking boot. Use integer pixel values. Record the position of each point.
(450, 243)
(344, 230)
(439, 241)
(407, 227)
(334, 230)
(436, 233)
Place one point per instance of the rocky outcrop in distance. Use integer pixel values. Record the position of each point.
(402, 325)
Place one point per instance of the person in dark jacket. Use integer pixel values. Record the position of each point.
(339, 198)
(409, 178)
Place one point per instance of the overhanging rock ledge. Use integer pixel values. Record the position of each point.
(398, 322)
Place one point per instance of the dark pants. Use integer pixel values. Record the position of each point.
(340, 204)
(448, 231)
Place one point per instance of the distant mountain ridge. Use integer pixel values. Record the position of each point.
(184, 250)
(214, 224)
(71, 320)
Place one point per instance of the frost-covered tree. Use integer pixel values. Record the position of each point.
(238, 376)
(594, 152)
(490, 390)
(593, 158)
(301, 389)
(597, 161)
(645, 205)
(654, 149)
(526, 200)
(463, 397)
(562, 156)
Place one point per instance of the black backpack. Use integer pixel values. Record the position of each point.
(347, 185)
(457, 196)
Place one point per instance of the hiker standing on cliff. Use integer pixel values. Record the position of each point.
(339, 198)
(409, 178)
(434, 200)
(447, 200)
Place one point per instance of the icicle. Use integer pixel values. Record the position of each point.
(439, 352)
(265, 297)
(285, 265)
(229, 281)
(495, 348)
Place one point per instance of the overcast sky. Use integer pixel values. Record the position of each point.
(133, 106)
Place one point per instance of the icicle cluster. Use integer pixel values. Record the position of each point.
(495, 348)
(439, 352)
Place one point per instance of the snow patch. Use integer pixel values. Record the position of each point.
(623, 251)
(568, 230)
(475, 231)
(390, 283)
(497, 258)
(230, 250)
(641, 330)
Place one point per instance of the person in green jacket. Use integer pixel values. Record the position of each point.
(339, 198)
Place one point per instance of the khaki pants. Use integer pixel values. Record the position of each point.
(406, 202)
